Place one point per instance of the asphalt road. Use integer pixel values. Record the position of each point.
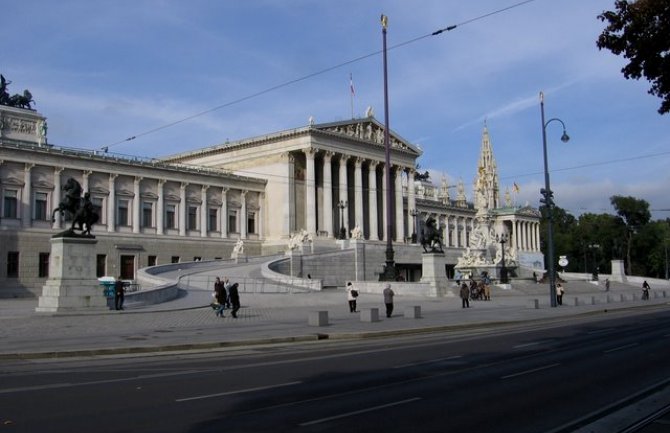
(549, 377)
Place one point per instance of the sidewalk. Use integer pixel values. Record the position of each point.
(189, 323)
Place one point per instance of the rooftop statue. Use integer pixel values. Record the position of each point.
(18, 100)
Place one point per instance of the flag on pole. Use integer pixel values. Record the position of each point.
(351, 84)
(516, 187)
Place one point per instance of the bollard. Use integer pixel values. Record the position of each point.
(370, 315)
(610, 299)
(593, 300)
(318, 318)
(635, 297)
(534, 304)
(413, 312)
(576, 302)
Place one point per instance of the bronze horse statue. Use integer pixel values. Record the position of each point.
(79, 208)
(431, 237)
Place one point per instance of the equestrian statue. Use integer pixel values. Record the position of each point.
(431, 237)
(79, 209)
(18, 100)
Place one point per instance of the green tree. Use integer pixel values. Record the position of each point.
(635, 214)
(639, 30)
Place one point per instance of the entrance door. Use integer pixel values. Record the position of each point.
(127, 267)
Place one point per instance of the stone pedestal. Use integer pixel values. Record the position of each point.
(434, 272)
(618, 273)
(72, 284)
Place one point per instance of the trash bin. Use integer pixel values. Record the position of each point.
(107, 284)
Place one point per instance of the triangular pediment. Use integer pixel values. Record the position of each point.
(367, 129)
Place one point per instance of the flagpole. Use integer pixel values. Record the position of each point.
(351, 93)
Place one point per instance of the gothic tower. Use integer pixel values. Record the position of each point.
(486, 188)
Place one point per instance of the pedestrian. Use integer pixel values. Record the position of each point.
(119, 293)
(226, 286)
(352, 294)
(234, 298)
(221, 296)
(388, 299)
(645, 290)
(465, 295)
(559, 293)
(607, 284)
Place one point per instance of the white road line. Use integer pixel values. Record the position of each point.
(521, 346)
(509, 376)
(598, 331)
(413, 364)
(239, 391)
(357, 412)
(620, 348)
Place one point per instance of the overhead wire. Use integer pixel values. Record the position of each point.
(314, 74)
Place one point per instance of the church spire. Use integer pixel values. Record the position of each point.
(486, 185)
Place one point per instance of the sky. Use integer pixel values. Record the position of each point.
(180, 75)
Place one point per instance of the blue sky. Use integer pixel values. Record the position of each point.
(103, 71)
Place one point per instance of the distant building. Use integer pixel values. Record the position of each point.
(196, 205)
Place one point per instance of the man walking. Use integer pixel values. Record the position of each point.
(388, 299)
(465, 295)
(234, 297)
(119, 293)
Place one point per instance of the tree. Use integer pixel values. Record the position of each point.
(639, 30)
(635, 214)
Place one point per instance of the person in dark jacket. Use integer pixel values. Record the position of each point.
(221, 296)
(388, 299)
(234, 297)
(465, 295)
(119, 293)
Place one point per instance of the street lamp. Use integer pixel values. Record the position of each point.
(414, 213)
(548, 201)
(502, 239)
(389, 269)
(594, 272)
(343, 231)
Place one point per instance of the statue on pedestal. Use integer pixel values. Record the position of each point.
(80, 209)
(431, 239)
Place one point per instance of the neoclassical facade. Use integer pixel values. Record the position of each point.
(326, 179)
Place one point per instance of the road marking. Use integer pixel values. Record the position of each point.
(599, 331)
(358, 412)
(239, 391)
(534, 370)
(521, 346)
(620, 348)
(432, 361)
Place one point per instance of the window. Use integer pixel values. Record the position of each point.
(122, 216)
(251, 222)
(97, 207)
(213, 217)
(197, 258)
(127, 267)
(147, 214)
(174, 259)
(232, 221)
(13, 264)
(10, 204)
(151, 261)
(170, 220)
(192, 217)
(101, 265)
(41, 206)
(43, 265)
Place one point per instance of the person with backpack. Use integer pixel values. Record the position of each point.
(352, 294)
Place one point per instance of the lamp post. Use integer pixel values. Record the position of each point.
(594, 272)
(548, 201)
(666, 257)
(343, 232)
(414, 213)
(389, 269)
(502, 239)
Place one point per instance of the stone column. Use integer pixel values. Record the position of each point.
(310, 192)
(224, 212)
(261, 215)
(160, 208)
(372, 186)
(111, 203)
(399, 207)
(513, 240)
(26, 197)
(137, 204)
(328, 193)
(344, 194)
(203, 211)
(358, 192)
(411, 196)
(243, 215)
(57, 197)
(85, 181)
(183, 211)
